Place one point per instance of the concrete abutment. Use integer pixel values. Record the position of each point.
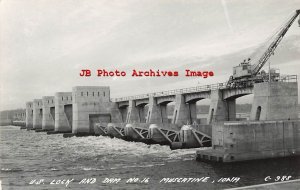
(275, 100)
(276, 134)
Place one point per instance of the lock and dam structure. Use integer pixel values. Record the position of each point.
(272, 130)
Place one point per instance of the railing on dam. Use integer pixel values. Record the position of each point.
(282, 78)
(288, 78)
(173, 92)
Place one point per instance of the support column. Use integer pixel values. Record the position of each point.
(221, 110)
(37, 113)
(164, 113)
(63, 112)
(133, 113)
(141, 112)
(231, 105)
(181, 114)
(217, 109)
(48, 121)
(29, 115)
(124, 112)
(155, 113)
(193, 112)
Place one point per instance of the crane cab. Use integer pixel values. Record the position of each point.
(242, 70)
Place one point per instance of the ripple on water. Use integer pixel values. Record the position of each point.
(25, 155)
(39, 149)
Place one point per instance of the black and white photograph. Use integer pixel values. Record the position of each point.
(149, 94)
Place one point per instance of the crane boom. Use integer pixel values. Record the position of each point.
(274, 44)
(247, 74)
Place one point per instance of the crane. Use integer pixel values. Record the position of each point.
(246, 74)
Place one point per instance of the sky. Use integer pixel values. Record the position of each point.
(44, 44)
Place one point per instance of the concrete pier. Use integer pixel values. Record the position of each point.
(29, 115)
(220, 109)
(91, 105)
(133, 114)
(63, 112)
(37, 113)
(181, 114)
(157, 113)
(48, 120)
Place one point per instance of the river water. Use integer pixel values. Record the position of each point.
(26, 156)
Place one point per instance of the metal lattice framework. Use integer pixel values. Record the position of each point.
(170, 135)
(119, 130)
(202, 139)
(103, 129)
(143, 133)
